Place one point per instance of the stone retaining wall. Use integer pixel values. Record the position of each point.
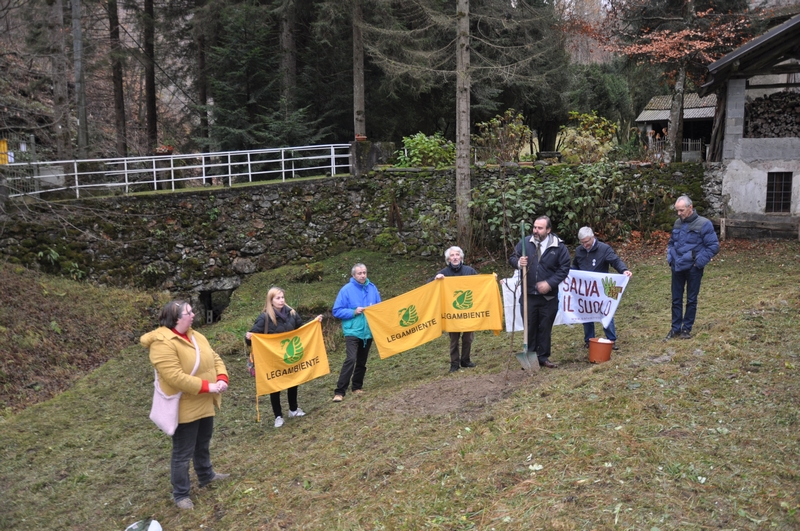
(207, 240)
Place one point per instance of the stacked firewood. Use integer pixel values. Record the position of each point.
(773, 116)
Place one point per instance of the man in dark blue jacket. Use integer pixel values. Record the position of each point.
(692, 245)
(594, 255)
(548, 261)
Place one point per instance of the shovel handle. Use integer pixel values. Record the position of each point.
(524, 272)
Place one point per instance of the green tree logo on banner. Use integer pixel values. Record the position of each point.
(292, 350)
(463, 299)
(408, 316)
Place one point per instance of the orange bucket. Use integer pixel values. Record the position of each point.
(599, 351)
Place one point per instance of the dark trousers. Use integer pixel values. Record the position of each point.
(541, 316)
(462, 357)
(688, 280)
(355, 364)
(275, 400)
(190, 443)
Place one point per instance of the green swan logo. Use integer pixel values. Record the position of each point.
(463, 299)
(292, 350)
(408, 316)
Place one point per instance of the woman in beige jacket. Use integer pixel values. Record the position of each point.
(174, 349)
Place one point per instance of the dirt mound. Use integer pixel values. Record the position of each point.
(460, 394)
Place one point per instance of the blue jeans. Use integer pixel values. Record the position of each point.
(355, 364)
(190, 443)
(588, 331)
(690, 281)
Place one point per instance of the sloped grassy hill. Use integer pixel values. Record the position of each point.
(54, 330)
(668, 435)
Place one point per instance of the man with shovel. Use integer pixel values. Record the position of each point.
(549, 263)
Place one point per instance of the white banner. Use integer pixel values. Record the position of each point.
(588, 297)
(512, 288)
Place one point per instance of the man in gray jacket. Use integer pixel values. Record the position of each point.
(691, 247)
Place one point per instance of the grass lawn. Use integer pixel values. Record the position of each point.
(684, 434)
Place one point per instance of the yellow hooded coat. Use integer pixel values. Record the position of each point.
(174, 360)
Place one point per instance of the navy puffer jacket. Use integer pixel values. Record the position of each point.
(693, 243)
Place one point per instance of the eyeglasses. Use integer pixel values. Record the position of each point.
(187, 313)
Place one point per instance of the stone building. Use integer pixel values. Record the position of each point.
(756, 133)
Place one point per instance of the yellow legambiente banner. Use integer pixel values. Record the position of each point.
(288, 359)
(471, 303)
(406, 321)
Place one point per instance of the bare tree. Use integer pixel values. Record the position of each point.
(288, 52)
(682, 37)
(117, 80)
(359, 104)
(150, 74)
(58, 60)
(80, 84)
(463, 78)
(503, 44)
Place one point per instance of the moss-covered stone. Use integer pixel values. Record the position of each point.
(275, 223)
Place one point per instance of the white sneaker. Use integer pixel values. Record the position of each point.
(278, 422)
(297, 413)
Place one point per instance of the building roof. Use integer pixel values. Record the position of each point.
(694, 108)
(759, 56)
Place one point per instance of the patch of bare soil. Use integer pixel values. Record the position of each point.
(459, 393)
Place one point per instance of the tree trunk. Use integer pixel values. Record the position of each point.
(463, 185)
(674, 148)
(202, 90)
(288, 54)
(150, 75)
(548, 135)
(673, 151)
(202, 95)
(359, 113)
(58, 61)
(117, 80)
(717, 131)
(80, 85)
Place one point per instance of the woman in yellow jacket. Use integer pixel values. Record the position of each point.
(174, 348)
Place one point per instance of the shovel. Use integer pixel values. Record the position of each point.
(528, 360)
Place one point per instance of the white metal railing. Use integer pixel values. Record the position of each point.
(657, 146)
(135, 174)
(692, 145)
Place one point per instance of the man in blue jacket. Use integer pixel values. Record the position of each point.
(547, 260)
(594, 255)
(349, 307)
(692, 245)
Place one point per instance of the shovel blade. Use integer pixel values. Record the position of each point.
(522, 358)
(533, 361)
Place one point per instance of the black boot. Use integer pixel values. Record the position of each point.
(467, 363)
(453, 367)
